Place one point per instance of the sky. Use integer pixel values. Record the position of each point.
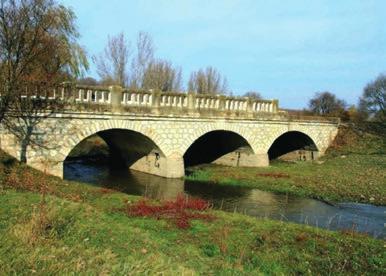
(286, 50)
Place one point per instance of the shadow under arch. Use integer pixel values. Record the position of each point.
(216, 146)
(124, 148)
(292, 141)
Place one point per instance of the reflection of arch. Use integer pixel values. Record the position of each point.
(291, 141)
(214, 144)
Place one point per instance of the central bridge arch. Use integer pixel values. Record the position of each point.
(218, 146)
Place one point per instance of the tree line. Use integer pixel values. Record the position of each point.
(39, 49)
(135, 66)
(370, 106)
(146, 72)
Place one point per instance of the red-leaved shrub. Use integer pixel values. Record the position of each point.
(179, 211)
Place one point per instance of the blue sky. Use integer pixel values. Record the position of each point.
(286, 50)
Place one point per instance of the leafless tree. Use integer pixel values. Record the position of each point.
(38, 44)
(253, 95)
(144, 55)
(87, 81)
(161, 75)
(113, 64)
(208, 81)
(145, 71)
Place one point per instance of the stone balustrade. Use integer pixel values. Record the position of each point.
(81, 94)
(123, 99)
(173, 100)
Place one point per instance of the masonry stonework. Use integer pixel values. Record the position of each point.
(171, 134)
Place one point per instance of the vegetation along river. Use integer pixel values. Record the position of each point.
(363, 218)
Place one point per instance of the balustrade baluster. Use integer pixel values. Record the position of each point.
(78, 97)
(145, 99)
(124, 98)
(102, 97)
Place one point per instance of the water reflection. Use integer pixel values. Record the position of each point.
(126, 181)
(253, 202)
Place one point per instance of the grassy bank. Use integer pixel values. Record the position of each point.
(354, 169)
(50, 226)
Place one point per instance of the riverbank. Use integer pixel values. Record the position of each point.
(354, 169)
(51, 226)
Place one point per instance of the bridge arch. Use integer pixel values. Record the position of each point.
(153, 155)
(74, 135)
(295, 145)
(218, 146)
(202, 130)
(125, 146)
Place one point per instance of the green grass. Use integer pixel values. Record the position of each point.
(354, 169)
(77, 230)
(90, 238)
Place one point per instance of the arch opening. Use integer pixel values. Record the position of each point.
(293, 145)
(119, 149)
(219, 147)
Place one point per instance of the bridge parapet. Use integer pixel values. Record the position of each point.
(117, 100)
(121, 101)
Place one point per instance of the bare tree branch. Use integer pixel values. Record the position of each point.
(112, 64)
(208, 81)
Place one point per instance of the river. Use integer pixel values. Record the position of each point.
(364, 218)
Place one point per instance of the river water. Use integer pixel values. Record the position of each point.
(363, 218)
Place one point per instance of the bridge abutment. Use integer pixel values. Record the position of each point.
(243, 159)
(51, 167)
(156, 164)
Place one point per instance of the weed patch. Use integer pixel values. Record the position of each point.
(179, 211)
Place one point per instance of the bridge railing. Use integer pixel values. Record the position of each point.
(117, 99)
(85, 94)
(123, 99)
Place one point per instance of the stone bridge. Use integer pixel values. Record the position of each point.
(160, 133)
